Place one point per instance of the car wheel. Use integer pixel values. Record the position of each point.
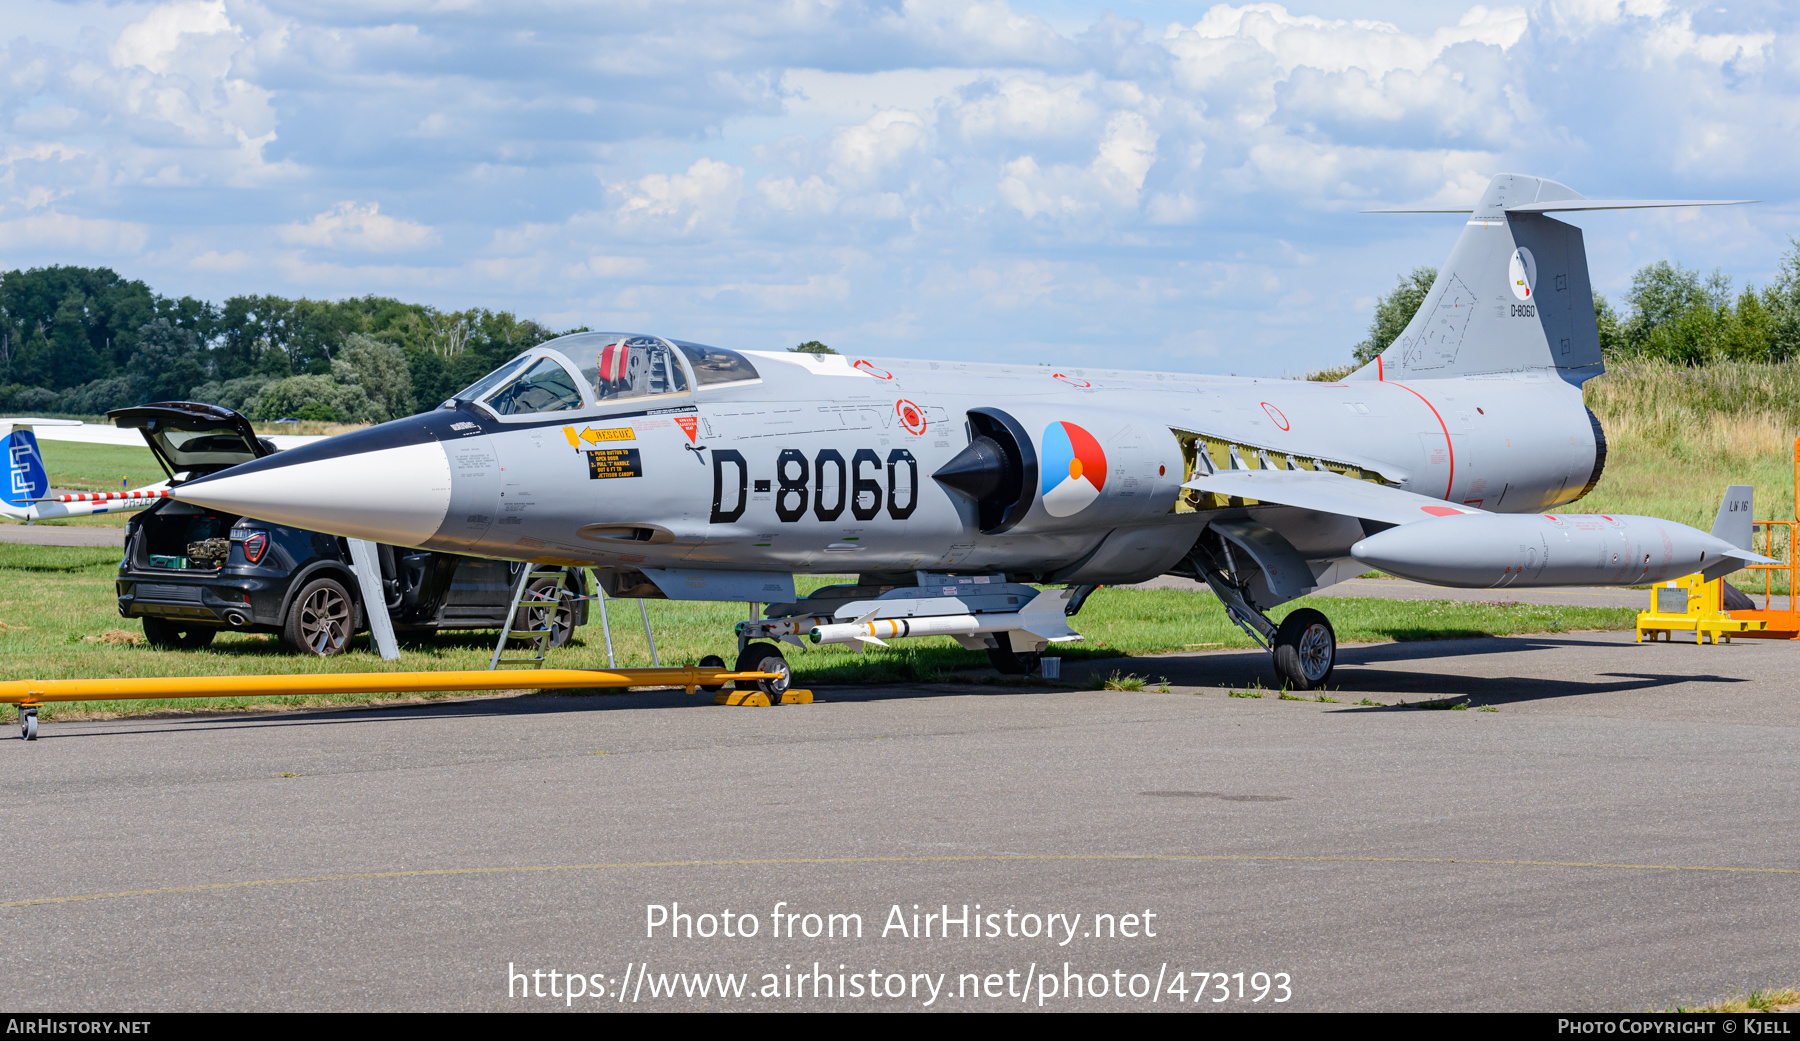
(540, 591)
(321, 619)
(167, 635)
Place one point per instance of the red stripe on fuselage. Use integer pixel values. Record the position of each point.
(1449, 445)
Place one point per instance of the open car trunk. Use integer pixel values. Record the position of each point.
(190, 439)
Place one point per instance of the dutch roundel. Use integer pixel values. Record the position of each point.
(1074, 469)
(912, 417)
(1521, 272)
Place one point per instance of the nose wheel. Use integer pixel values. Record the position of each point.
(766, 657)
(1305, 650)
(28, 723)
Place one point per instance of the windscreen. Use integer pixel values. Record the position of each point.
(474, 391)
(545, 387)
(715, 364)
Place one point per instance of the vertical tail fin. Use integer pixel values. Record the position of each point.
(1514, 295)
(26, 478)
(1736, 515)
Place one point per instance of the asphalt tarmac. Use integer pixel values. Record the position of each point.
(1618, 835)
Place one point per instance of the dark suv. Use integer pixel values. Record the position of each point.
(189, 572)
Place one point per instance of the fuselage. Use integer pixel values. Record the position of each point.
(806, 463)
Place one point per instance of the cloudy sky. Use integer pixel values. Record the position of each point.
(1147, 183)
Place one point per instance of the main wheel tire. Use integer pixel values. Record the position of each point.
(538, 593)
(766, 657)
(1009, 662)
(167, 635)
(1305, 650)
(321, 619)
(712, 661)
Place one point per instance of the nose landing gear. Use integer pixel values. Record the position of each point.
(765, 657)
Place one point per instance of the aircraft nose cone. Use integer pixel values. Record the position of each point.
(359, 485)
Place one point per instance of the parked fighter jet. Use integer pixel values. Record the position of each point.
(953, 489)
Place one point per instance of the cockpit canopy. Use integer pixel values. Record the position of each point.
(587, 370)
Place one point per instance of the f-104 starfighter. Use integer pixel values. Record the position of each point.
(986, 501)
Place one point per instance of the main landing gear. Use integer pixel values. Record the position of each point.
(1304, 644)
(1305, 650)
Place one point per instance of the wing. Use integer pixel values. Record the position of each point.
(1327, 492)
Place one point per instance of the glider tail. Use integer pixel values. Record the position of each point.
(26, 479)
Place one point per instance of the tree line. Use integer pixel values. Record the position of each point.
(80, 341)
(1671, 312)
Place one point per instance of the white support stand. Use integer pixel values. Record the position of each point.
(605, 626)
(368, 579)
(644, 610)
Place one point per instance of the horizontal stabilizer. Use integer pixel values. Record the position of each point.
(1572, 205)
(1327, 492)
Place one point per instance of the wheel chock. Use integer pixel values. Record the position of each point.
(754, 698)
(748, 698)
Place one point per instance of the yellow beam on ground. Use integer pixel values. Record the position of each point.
(38, 692)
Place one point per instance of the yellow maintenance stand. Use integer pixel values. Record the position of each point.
(1696, 605)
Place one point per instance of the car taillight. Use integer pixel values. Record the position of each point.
(255, 545)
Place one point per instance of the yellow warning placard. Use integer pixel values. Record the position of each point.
(614, 462)
(594, 437)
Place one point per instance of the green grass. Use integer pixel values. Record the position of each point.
(1773, 999)
(97, 468)
(57, 607)
(1677, 436)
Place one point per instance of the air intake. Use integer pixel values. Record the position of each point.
(997, 472)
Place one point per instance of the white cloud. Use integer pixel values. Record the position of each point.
(78, 235)
(703, 199)
(1021, 109)
(862, 154)
(155, 42)
(1114, 178)
(360, 228)
(614, 165)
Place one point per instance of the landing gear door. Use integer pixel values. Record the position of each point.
(1284, 570)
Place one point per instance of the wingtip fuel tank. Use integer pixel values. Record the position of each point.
(1492, 551)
